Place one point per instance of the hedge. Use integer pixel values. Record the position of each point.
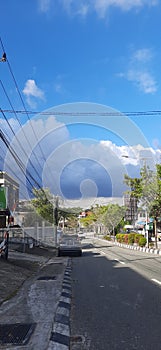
(131, 238)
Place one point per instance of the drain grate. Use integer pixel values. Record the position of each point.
(16, 334)
(47, 278)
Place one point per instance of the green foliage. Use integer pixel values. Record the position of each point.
(107, 237)
(142, 242)
(88, 220)
(120, 237)
(135, 185)
(147, 189)
(137, 237)
(112, 216)
(42, 204)
(131, 238)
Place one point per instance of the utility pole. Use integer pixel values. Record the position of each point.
(55, 215)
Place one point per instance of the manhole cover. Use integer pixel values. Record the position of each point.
(16, 334)
(47, 278)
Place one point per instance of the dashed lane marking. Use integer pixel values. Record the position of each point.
(119, 261)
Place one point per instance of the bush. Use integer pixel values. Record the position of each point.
(107, 237)
(142, 241)
(126, 238)
(137, 238)
(131, 238)
(120, 237)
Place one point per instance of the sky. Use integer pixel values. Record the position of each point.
(88, 73)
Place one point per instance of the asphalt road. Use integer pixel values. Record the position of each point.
(116, 303)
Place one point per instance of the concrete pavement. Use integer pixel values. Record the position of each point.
(35, 301)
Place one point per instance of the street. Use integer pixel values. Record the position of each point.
(116, 301)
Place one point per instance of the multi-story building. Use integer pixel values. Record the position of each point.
(130, 203)
(9, 197)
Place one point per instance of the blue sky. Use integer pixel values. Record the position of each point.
(97, 52)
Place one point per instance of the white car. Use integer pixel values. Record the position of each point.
(70, 245)
(81, 235)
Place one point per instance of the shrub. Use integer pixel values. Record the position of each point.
(131, 237)
(120, 237)
(137, 238)
(126, 237)
(142, 241)
(107, 237)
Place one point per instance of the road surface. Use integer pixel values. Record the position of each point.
(116, 302)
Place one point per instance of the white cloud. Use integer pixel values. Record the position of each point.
(139, 71)
(142, 55)
(102, 6)
(58, 87)
(62, 153)
(144, 80)
(84, 7)
(31, 91)
(133, 155)
(44, 5)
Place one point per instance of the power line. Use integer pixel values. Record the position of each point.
(16, 177)
(113, 114)
(25, 110)
(27, 174)
(21, 129)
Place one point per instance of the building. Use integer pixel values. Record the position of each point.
(9, 197)
(130, 203)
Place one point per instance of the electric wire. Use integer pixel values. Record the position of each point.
(27, 174)
(22, 148)
(19, 93)
(93, 113)
(2, 156)
(17, 177)
(20, 164)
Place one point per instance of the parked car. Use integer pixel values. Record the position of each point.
(70, 245)
(81, 235)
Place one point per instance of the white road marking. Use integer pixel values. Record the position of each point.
(102, 252)
(121, 262)
(156, 281)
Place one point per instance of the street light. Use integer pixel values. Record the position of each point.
(55, 217)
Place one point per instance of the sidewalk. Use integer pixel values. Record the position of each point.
(30, 294)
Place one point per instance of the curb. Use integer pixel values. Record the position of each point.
(133, 247)
(60, 334)
(140, 249)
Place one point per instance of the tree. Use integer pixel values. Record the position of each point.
(147, 190)
(113, 216)
(44, 206)
(135, 185)
(43, 203)
(88, 220)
